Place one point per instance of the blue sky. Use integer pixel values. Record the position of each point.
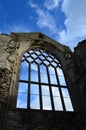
(62, 20)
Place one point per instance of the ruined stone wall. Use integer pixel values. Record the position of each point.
(12, 48)
(45, 120)
(79, 60)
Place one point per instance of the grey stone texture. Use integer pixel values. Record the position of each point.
(12, 47)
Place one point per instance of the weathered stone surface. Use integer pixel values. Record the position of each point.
(5, 77)
(2, 113)
(4, 38)
(45, 120)
(12, 47)
(80, 57)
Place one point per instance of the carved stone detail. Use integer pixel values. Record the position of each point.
(11, 48)
(5, 77)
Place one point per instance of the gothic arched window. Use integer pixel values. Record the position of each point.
(41, 83)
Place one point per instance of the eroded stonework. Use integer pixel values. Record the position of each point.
(12, 47)
(5, 78)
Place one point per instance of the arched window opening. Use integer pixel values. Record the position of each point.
(42, 83)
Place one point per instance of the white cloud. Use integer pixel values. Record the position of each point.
(75, 22)
(51, 4)
(46, 20)
(32, 4)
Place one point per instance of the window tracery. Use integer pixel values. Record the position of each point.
(42, 83)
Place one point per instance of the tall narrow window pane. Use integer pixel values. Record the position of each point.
(57, 99)
(68, 104)
(46, 103)
(45, 90)
(58, 103)
(67, 99)
(51, 70)
(22, 95)
(53, 79)
(34, 72)
(34, 89)
(62, 80)
(52, 75)
(43, 74)
(24, 71)
(34, 101)
(46, 97)
(21, 100)
(55, 91)
(61, 77)
(23, 87)
(65, 92)
(60, 72)
(34, 96)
